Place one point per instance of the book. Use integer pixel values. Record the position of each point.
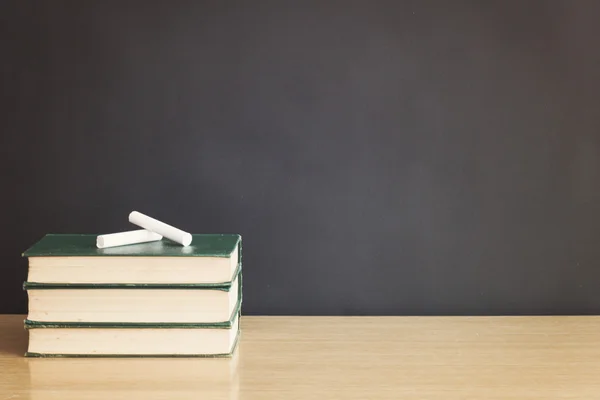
(132, 340)
(75, 259)
(117, 303)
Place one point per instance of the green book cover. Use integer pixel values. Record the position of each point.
(106, 356)
(29, 324)
(222, 355)
(224, 286)
(225, 325)
(84, 245)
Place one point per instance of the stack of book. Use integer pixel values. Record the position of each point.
(155, 299)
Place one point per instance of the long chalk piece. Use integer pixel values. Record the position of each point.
(168, 231)
(125, 238)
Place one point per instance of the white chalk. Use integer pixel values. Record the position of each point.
(125, 238)
(168, 231)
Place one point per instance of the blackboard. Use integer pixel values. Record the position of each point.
(378, 157)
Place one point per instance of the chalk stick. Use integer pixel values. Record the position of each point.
(154, 225)
(125, 238)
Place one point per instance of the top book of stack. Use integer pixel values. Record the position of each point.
(212, 259)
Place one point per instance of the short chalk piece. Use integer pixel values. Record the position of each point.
(125, 238)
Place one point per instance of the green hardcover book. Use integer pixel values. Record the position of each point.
(133, 303)
(211, 260)
(133, 340)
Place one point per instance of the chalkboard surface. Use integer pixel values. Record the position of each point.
(378, 157)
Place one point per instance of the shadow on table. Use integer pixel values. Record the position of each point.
(133, 378)
(13, 336)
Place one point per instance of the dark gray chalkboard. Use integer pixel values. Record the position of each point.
(379, 157)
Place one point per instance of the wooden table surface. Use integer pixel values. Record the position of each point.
(337, 358)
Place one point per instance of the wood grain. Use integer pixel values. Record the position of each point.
(337, 358)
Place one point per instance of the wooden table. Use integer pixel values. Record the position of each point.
(337, 358)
